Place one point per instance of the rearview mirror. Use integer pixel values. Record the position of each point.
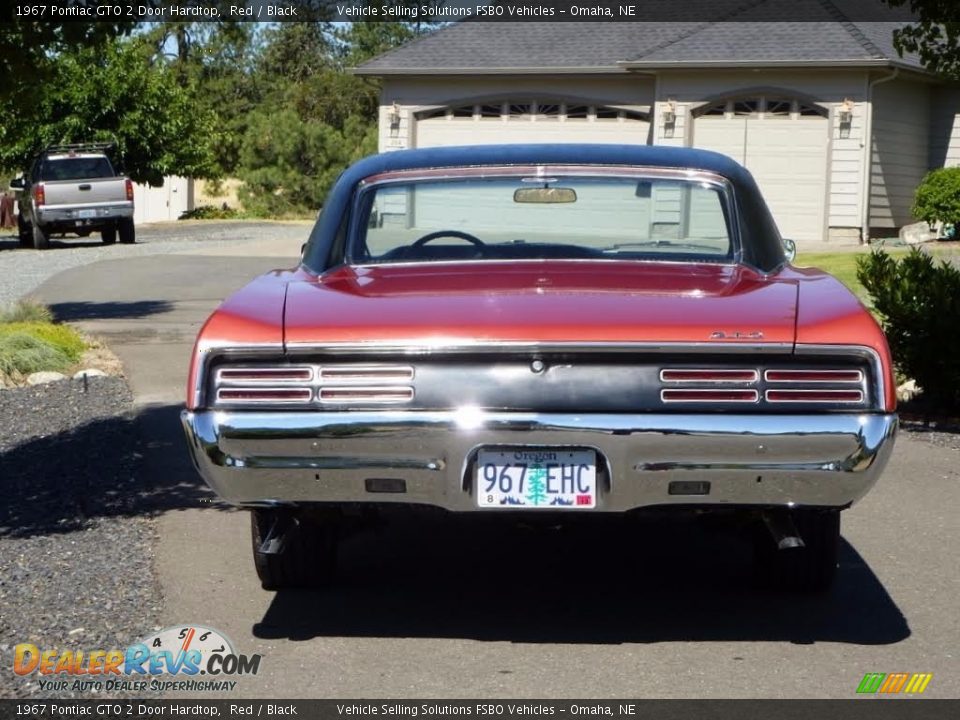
(790, 249)
(17, 183)
(545, 195)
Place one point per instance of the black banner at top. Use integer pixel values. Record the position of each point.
(59, 11)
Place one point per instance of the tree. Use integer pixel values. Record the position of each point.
(288, 164)
(111, 93)
(29, 51)
(935, 37)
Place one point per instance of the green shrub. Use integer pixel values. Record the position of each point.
(26, 311)
(23, 353)
(918, 302)
(938, 196)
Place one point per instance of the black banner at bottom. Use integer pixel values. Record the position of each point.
(872, 708)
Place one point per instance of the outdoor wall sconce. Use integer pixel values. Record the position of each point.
(669, 118)
(393, 117)
(845, 116)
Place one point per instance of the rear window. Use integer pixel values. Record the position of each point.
(498, 218)
(76, 168)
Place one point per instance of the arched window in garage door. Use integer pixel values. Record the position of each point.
(530, 121)
(784, 142)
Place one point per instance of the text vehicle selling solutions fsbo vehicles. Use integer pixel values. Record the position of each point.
(550, 331)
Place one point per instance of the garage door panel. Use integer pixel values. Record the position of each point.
(788, 158)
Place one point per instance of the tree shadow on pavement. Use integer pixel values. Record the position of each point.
(129, 465)
(75, 311)
(616, 582)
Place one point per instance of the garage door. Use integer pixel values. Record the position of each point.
(784, 144)
(530, 122)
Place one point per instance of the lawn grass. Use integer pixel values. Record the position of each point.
(30, 342)
(843, 265)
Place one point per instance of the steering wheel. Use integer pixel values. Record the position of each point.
(420, 242)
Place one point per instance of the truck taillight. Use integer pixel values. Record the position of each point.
(129, 186)
(39, 194)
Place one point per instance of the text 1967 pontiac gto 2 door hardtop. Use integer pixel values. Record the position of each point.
(543, 330)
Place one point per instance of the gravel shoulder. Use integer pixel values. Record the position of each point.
(76, 531)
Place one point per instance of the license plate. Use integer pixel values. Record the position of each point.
(86, 213)
(535, 479)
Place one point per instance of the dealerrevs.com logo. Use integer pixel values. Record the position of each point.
(198, 658)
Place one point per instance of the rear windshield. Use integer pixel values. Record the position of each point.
(78, 168)
(498, 218)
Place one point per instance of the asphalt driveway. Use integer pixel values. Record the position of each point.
(439, 609)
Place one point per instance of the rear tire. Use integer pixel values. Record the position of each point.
(809, 569)
(41, 238)
(109, 235)
(126, 230)
(307, 561)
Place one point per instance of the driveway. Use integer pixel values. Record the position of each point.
(440, 609)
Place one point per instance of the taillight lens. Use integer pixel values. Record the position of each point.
(129, 186)
(716, 375)
(814, 396)
(39, 194)
(709, 396)
(813, 376)
(268, 395)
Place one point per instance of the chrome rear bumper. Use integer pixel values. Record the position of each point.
(265, 458)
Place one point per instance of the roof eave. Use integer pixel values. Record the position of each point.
(633, 65)
(546, 70)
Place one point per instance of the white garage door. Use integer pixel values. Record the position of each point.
(784, 144)
(530, 122)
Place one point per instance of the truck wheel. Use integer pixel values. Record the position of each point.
(809, 569)
(41, 237)
(109, 235)
(308, 558)
(127, 233)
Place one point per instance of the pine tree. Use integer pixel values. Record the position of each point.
(536, 487)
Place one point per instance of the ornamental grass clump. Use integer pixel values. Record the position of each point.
(30, 342)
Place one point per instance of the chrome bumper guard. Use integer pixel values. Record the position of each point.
(269, 458)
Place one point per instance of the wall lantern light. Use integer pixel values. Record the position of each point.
(846, 111)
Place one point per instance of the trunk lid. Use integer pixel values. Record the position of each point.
(542, 302)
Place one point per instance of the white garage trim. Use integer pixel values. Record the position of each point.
(785, 143)
(536, 120)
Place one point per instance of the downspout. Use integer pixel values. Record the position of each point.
(868, 157)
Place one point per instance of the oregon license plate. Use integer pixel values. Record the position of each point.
(86, 213)
(537, 479)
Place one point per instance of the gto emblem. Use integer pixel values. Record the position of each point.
(751, 335)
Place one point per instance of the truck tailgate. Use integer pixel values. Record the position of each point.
(85, 192)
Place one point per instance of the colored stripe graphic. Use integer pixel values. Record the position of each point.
(894, 683)
(918, 683)
(871, 682)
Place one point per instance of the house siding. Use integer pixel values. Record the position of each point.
(900, 151)
(944, 127)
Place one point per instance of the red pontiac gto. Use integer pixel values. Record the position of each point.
(543, 330)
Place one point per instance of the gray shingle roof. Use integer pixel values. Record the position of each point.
(739, 32)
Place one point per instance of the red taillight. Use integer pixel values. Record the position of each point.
(369, 395)
(39, 194)
(291, 395)
(709, 396)
(129, 186)
(365, 374)
(817, 376)
(709, 376)
(815, 396)
(265, 374)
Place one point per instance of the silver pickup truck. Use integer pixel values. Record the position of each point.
(74, 189)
